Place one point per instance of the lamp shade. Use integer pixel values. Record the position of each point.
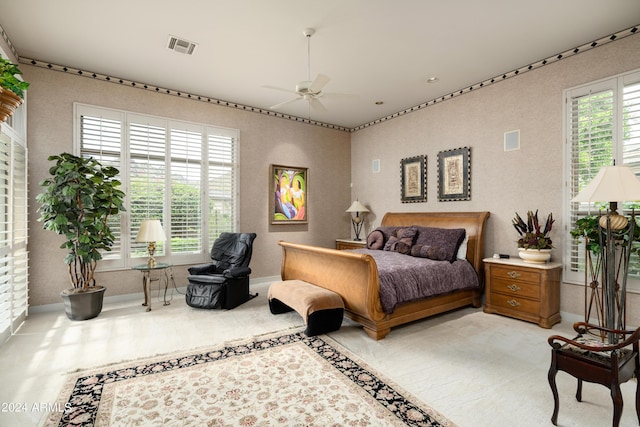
(357, 207)
(150, 231)
(611, 184)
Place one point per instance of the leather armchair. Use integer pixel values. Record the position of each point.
(223, 283)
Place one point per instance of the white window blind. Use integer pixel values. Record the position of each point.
(602, 122)
(171, 170)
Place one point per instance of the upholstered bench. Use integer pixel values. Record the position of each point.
(321, 309)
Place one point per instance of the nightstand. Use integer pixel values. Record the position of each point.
(523, 290)
(342, 244)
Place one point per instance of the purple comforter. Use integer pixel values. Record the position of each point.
(405, 278)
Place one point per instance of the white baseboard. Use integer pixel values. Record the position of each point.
(47, 308)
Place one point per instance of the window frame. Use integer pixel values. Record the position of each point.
(164, 251)
(616, 84)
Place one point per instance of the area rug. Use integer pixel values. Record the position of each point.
(279, 380)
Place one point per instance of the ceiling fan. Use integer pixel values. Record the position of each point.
(307, 90)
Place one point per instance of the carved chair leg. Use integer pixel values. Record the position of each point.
(638, 398)
(579, 391)
(616, 397)
(554, 390)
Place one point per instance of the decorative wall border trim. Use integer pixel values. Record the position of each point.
(513, 73)
(535, 65)
(166, 91)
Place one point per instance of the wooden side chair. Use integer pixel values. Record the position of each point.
(588, 358)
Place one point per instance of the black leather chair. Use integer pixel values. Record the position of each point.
(224, 283)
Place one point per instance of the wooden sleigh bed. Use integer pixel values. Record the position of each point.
(354, 276)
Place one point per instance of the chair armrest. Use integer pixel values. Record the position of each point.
(202, 269)
(236, 272)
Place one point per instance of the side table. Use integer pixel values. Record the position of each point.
(166, 274)
(523, 290)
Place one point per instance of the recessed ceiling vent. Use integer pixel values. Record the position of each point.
(181, 45)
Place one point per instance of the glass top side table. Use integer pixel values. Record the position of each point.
(147, 277)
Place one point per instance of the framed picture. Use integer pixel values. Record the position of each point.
(413, 179)
(288, 195)
(454, 175)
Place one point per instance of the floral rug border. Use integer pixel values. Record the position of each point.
(82, 392)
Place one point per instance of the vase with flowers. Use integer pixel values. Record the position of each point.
(534, 244)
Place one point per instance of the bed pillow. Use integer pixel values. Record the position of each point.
(447, 239)
(402, 240)
(462, 250)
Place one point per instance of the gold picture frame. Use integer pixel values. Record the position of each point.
(289, 187)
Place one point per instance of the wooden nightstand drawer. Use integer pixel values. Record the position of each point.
(515, 303)
(518, 274)
(516, 288)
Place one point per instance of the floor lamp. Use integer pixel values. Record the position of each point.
(614, 184)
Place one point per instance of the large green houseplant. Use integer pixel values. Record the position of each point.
(11, 88)
(77, 202)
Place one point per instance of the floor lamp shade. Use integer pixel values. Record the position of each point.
(612, 183)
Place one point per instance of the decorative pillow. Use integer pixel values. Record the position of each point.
(447, 239)
(462, 250)
(385, 232)
(375, 240)
(431, 252)
(390, 245)
(407, 235)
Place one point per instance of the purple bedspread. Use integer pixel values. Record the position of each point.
(406, 278)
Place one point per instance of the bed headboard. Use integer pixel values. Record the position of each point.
(472, 222)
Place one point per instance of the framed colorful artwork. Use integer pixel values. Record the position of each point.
(413, 179)
(454, 175)
(288, 195)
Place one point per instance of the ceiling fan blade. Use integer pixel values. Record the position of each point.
(317, 106)
(280, 89)
(282, 104)
(318, 83)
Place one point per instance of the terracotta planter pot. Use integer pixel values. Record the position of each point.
(9, 101)
(83, 305)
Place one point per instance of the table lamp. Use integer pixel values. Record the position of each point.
(151, 232)
(357, 220)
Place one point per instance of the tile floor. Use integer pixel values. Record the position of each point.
(477, 369)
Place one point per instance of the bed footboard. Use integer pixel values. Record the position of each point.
(351, 275)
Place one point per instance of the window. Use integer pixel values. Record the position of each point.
(13, 232)
(184, 174)
(602, 122)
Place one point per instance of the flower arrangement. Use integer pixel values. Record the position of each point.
(532, 237)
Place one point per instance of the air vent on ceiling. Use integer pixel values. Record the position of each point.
(181, 45)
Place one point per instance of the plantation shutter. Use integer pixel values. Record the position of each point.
(603, 125)
(13, 233)
(101, 137)
(222, 177)
(147, 178)
(186, 182)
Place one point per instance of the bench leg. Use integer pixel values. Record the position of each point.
(277, 307)
(554, 390)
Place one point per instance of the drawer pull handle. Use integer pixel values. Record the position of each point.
(514, 287)
(514, 274)
(513, 303)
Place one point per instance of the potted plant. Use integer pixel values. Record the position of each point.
(11, 88)
(534, 244)
(77, 202)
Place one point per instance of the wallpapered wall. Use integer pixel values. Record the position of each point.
(263, 141)
(502, 182)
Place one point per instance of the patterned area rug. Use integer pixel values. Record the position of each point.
(280, 380)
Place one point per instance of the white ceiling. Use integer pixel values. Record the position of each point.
(373, 50)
